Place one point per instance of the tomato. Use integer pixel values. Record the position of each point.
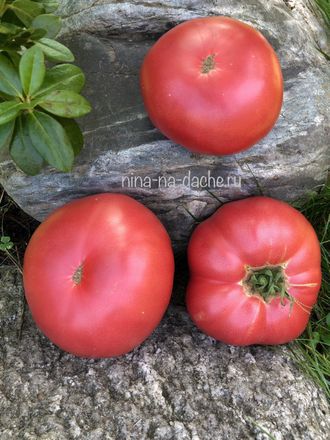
(98, 275)
(255, 272)
(213, 85)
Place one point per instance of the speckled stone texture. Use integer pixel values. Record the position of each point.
(179, 385)
(110, 39)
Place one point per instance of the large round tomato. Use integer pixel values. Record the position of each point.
(213, 85)
(98, 275)
(255, 272)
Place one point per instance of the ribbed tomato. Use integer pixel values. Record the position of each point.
(98, 275)
(255, 272)
(213, 85)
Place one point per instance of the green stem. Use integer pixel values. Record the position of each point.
(12, 259)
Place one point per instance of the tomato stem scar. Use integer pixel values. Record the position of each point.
(77, 276)
(208, 64)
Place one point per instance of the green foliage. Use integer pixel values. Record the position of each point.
(9, 78)
(32, 70)
(38, 100)
(324, 8)
(50, 23)
(22, 150)
(74, 134)
(25, 10)
(65, 103)
(62, 77)
(6, 134)
(49, 5)
(9, 110)
(50, 140)
(6, 244)
(55, 51)
(312, 349)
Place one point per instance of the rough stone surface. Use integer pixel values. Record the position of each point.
(179, 385)
(110, 39)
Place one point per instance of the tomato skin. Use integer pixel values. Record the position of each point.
(255, 232)
(127, 275)
(226, 110)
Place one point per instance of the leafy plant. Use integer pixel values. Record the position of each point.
(312, 349)
(38, 100)
(324, 8)
(6, 244)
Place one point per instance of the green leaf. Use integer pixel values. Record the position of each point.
(26, 10)
(315, 339)
(22, 37)
(9, 29)
(3, 42)
(74, 133)
(50, 140)
(2, 7)
(37, 34)
(49, 5)
(22, 151)
(55, 51)
(9, 79)
(51, 23)
(5, 243)
(9, 110)
(327, 320)
(325, 337)
(32, 70)
(5, 97)
(6, 134)
(14, 57)
(10, 17)
(63, 77)
(66, 104)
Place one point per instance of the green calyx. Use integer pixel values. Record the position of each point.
(267, 282)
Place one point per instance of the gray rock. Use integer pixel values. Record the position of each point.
(179, 385)
(110, 39)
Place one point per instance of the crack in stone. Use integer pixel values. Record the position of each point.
(93, 5)
(138, 117)
(143, 4)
